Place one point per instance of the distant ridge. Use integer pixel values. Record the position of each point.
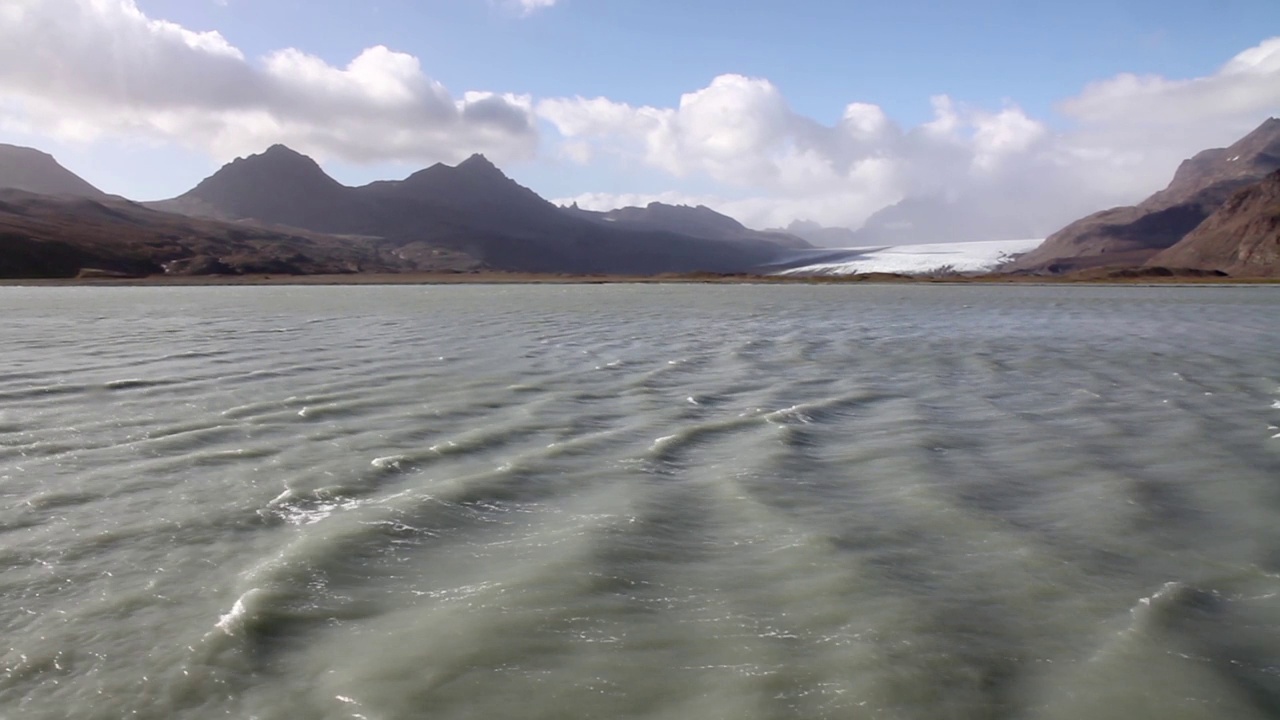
(30, 170)
(697, 221)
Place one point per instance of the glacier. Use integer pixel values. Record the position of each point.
(963, 257)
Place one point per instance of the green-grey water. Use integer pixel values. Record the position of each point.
(640, 502)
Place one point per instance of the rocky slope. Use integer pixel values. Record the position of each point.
(43, 236)
(1133, 235)
(30, 170)
(1241, 238)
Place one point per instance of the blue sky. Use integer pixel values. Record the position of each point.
(1030, 84)
(822, 53)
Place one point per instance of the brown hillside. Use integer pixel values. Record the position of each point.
(1132, 235)
(1241, 238)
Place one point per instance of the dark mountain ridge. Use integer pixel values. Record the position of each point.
(472, 208)
(48, 236)
(696, 221)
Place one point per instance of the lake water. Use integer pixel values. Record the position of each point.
(651, 502)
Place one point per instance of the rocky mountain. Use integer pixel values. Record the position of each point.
(1241, 238)
(700, 221)
(472, 208)
(48, 236)
(1133, 235)
(278, 186)
(30, 170)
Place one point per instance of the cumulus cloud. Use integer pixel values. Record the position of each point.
(528, 7)
(85, 68)
(1124, 138)
(741, 132)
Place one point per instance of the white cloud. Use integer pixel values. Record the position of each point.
(85, 68)
(1127, 136)
(741, 132)
(528, 7)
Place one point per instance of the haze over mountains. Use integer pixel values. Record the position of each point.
(700, 221)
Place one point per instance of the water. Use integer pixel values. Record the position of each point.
(640, 502)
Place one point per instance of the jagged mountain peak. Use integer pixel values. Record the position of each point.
(279, 159)
(478, 162)
(247, 180)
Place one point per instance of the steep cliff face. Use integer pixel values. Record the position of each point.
(1241, 238)
(1133, 235)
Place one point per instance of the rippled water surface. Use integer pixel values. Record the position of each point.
(640, 502)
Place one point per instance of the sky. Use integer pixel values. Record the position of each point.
(821, 110)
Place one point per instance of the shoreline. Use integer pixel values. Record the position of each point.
(505, 278)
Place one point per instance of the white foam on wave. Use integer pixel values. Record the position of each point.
(282, 498)
(390, 462)
(795, 412)
(233, 621)
(301, 514)
(663, 442)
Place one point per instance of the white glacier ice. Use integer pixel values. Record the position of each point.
(962, 257)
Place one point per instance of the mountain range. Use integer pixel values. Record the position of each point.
(279, 212)
(700, 221)
(474, 209)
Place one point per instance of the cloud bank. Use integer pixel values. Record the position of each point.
(85, 68)
(1127, 135)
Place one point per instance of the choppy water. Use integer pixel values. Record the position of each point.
(640, 502)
